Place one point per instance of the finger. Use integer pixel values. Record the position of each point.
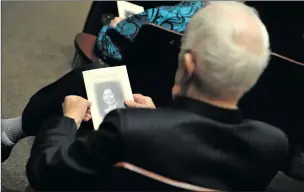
(86, 119)
(72, 97)
(120, 19)
(117, 20)
(66, 99)
(131, 103)
(89, 104)
(88, 111)
(88, 115)
(137, 97)
(140, 106)
(111, 23)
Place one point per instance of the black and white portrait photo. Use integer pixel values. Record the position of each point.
(107, 89)
(110, 96)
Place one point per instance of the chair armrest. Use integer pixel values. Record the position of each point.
(84, 45)
(162, 179)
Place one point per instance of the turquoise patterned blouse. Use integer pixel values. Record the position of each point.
(173, 18)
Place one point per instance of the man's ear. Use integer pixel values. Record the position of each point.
(189, 64)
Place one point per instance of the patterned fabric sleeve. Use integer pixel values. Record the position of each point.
(173, 18)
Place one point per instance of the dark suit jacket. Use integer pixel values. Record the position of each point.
(191, 141)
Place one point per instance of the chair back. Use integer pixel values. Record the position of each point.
(153, 58)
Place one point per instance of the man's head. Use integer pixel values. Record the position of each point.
(109, 97)
(224, 50)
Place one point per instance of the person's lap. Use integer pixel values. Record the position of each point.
(48, 101)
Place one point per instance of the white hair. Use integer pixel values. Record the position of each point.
(232, 46)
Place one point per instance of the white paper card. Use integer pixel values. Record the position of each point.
(126, 9)
(107, 89)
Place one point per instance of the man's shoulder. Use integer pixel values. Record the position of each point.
(140, 113)
(148, 114)
(137, 119)
(267, 129)
(271, 135)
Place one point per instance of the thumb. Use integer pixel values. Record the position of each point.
(130, 103)
(133, 104)
(137, 97)
(89, 104)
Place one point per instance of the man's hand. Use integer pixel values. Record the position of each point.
(141, 101)
(77, 108)
(115, 21)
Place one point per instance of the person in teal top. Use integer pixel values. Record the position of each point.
(173, 18)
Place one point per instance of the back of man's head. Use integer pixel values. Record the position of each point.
(230, 46)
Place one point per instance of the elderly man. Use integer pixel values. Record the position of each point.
(201, 139)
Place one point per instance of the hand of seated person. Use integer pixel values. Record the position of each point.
(141, 101)
(115, 21)
(77, 108)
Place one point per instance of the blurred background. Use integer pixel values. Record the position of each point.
(37, 48)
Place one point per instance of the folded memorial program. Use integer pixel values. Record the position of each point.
(126, 9)
(107, 89)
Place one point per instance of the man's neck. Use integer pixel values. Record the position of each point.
(227, 104)
(219, 103)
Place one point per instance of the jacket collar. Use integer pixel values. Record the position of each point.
(229, 116)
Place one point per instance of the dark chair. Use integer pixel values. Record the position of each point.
(84, 45)
(129, 177)
(152, 62)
